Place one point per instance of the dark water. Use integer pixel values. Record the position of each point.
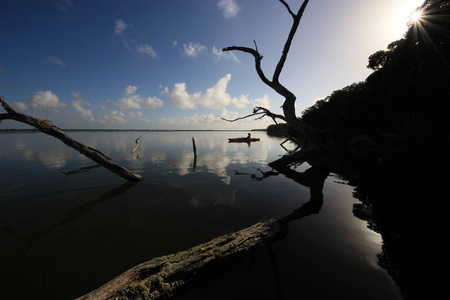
(67, 225)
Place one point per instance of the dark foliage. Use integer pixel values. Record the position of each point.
(406, 100)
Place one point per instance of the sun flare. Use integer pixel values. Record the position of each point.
(415, 16)
(404, 14)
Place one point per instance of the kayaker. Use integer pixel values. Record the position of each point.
(249, 135)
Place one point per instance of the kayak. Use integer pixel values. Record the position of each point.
(243, 140)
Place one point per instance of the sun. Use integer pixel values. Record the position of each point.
(415, 16)
(405, 13)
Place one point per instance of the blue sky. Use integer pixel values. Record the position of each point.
(158, 64)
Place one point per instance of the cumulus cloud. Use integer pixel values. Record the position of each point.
(192, 50)
(79, 105)
(53, 60)
(120, 27)
(215, 97)
(129, 90)
(241, 102)
(229, 8)
(115, 117)
(46, 101)
(261, 102)
(212, 121)
(135, 101)
(220, 55)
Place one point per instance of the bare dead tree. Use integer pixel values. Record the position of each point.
(313, 136)
(47, 127)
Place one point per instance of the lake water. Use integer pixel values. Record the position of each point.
(67, 226)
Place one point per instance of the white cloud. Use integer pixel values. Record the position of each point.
(53, 60)
(179, 97)
(131, 89)
(120, 27)
(214, 97)
(241, 102)
(212, 121)
(262, 102)
(193, 50)
(134, 101)
(229, 8)
(115, 117)
(81, 112)
(138, 115)
(219, 55)
(46, 101)
(146, 49)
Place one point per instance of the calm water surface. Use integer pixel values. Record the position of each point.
(67, 225)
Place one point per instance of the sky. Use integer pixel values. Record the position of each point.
(154, 64)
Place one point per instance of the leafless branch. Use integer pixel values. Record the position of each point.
(258, 57)
(288, 43)
(261, 112)
(288, 8)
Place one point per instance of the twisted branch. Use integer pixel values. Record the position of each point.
(309, 132)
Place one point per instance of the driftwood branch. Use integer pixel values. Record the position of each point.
(137, 144)
(48, 128)
(161, 277)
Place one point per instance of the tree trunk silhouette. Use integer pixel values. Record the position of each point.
(48, 128)
(313, 136)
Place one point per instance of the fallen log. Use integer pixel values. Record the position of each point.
(161, 277)
(48, 128)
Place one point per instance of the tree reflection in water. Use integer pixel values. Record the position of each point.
(395, 210)
(314, 179)
(403, 212)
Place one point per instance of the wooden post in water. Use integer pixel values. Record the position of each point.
(194, 147)
(195, 154)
